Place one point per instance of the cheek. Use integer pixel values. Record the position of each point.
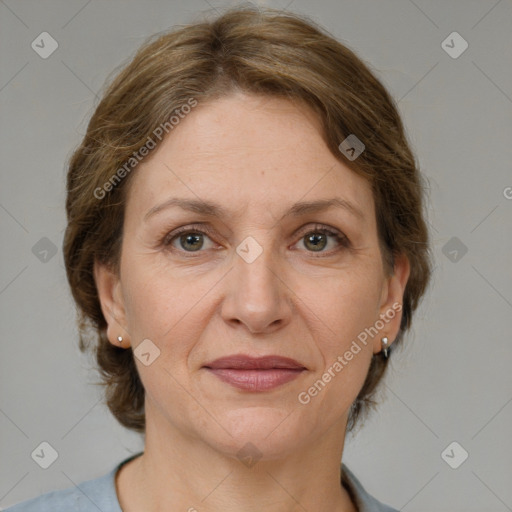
(164, 309)
(349, 307)
(158, 300)
(167, 308)
(345, 305)
(345, 310)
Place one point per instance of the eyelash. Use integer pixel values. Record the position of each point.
(205, 230)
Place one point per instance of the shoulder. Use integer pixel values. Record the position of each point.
(363, 500)
(90, 496)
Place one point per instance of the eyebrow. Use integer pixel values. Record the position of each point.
(215, 210)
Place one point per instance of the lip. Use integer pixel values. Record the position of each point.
(244, 362)
(255, 373)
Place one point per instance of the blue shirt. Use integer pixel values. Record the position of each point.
(100, 494)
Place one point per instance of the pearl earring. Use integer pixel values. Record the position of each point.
(385, 348)
(120, 339)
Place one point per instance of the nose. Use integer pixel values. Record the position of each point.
(256, 295)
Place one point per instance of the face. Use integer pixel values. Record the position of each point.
(255, 273)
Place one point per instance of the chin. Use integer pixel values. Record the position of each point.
(269, 432)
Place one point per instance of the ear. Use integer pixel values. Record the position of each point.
(391, 307)
(112, 304)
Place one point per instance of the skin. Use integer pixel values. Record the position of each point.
(255, 156)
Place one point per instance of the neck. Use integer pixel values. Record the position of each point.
(177, 472)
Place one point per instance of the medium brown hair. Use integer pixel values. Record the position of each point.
(256, 50)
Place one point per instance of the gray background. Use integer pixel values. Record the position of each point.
(452, 382)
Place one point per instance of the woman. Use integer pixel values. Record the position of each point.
(246, 244)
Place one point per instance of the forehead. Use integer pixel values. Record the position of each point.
(245, 149)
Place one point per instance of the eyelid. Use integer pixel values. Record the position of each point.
(342, 239)
(168, 240)
(193, 228)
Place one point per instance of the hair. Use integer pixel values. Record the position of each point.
(254, 50)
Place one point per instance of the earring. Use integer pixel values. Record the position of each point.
(120, 339)
(385, 347)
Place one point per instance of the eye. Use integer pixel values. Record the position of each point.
(317, 239)
(192, 239)
(188, 238)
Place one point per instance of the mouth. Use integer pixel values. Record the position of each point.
(255, 373)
